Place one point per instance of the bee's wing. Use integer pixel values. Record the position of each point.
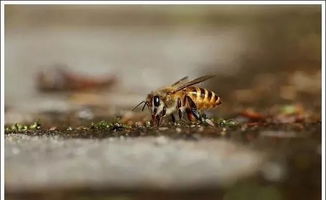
(180, 81)
(193, 82)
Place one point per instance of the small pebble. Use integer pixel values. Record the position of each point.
(53, 128)
(209, 122)
(201, 129)
(163, 128)
(223, 132)
(148, 124)
(178, 130)
(138, 124)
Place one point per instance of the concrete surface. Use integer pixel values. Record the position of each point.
(34, 163)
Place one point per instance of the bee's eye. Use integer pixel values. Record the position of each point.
(156, 100)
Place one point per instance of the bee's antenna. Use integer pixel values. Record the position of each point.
(145, 104)
(139, 105)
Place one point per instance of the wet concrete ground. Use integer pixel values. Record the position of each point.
(185, 161)
(125, 163)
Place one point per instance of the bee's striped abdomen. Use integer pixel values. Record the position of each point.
(203, 98)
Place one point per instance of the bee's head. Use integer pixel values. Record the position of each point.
(157, 107)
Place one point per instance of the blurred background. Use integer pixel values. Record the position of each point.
(262, 55)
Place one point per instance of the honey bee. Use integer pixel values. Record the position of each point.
(181, 97)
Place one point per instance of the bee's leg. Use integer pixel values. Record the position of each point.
(179, 108)
(196, 114)
(191, 103)
(192, 111)
(173, 118)
(158, 120)
(180, 114)
(153, 120)
(193, 114)
(204, 118)
(190, 116)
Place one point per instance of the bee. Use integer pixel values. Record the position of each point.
(180, 97)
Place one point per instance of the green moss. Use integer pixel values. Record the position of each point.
(101, 125)
(226, 123)
(17, 127)
(105, 125)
